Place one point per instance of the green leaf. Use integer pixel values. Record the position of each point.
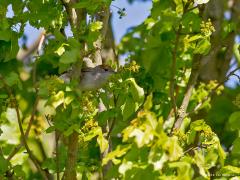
(13, 79)
(231, 170)
(83, 4)
(50, 129)
(202, 47)
(128, 108)
(148, 103)
(173, 148)
(3, 164)
(18, 170)
(91, 6)
(93, 133)
(113, 155)
(136, 91)
(150, 22)
(8, 45)
(5, 35)
(234, 121)
(236, 52)
(61, 49)
(70, 56)
(96, 26)
(71, 129)
(221, 153)
(102, 142)
(57, 99)
(228, 27)
(236, 147)
(191, 22)
(49, 163)
(3, 96)
(184, 170)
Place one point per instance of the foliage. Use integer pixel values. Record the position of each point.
(133, 137)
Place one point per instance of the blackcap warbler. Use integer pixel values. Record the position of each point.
(94, 78)
(91, 78)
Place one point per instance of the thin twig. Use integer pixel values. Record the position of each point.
(193, 148)
(213, 91)
(16, 149)
(114, 120)
(116, 7)
(57, 153)
(111, 128)
(190, 9)
(15, 105)
(32, 116)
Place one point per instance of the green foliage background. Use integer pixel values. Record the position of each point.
(134, 137)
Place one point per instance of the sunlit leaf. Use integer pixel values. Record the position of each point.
(201, 1)
(202, 47)
(136, 91)
(3, 165)
(70, 56)
(102, 142)
(95, 26)
(234, 120)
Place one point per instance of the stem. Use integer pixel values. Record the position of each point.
(116, 7)
(57, 154)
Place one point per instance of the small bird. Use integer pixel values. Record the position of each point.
(95, 78)
(91, 78)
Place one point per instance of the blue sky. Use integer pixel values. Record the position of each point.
(136, 13)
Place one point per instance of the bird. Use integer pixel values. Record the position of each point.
(91, 78)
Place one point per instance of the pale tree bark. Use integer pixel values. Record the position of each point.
(94, 58)
(75, 17)
(216, 65)
(109, 56)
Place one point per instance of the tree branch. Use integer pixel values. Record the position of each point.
(75, 17)
(174, 63)
(173, 72)
(70, 172)
(102, 16)
(192, 80)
